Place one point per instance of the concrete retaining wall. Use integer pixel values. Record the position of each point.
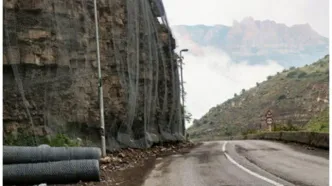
(320, 140)
(315, 139)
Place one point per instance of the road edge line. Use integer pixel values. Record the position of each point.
(247, 170)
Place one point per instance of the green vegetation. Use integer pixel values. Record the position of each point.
(292, 74)
(302, 74)
(286, 127)
(60, 140)
(297, 74)
(282, 97)
(291, 95)
(249, 131)
(319, 123)
(187, 115)
(26, 139)
(228, 130)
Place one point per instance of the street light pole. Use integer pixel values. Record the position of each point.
(182, 86)
(100, 86)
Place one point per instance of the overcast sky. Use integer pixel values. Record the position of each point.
(210, 12)
(212, 77)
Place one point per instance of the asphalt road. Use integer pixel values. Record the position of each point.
(243, 163)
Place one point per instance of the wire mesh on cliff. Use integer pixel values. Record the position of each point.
(50, 73)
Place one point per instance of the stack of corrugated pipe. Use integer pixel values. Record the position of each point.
(50, 165)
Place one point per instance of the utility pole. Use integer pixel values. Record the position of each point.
(182, 86)
(100, 87)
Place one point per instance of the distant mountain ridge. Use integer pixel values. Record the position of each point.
(257, 41)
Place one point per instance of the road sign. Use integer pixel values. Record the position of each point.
(268, 114)
(269, 121)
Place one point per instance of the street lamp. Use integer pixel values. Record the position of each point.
(183, 50)
(182, 87)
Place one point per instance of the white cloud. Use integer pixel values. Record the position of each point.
(210, 12)
(210, 75)
(212, 78)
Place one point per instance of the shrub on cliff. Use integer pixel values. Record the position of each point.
(292, 74)
(319, 123)
(286, 127)
(61, 140)
(302, 74)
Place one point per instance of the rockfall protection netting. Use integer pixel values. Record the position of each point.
(51, 80)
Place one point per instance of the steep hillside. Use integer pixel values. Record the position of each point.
(294, 96)
(51, 76)
(257, 41)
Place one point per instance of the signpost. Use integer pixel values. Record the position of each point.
(269, 119)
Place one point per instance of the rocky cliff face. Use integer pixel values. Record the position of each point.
(51, 81)
(294, 96)
(257, 41)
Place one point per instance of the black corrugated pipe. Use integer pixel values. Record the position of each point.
(61, 172)
(16, 154)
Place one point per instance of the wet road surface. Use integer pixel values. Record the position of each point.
(243, 163)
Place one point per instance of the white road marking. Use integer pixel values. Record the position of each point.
(247, 170)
